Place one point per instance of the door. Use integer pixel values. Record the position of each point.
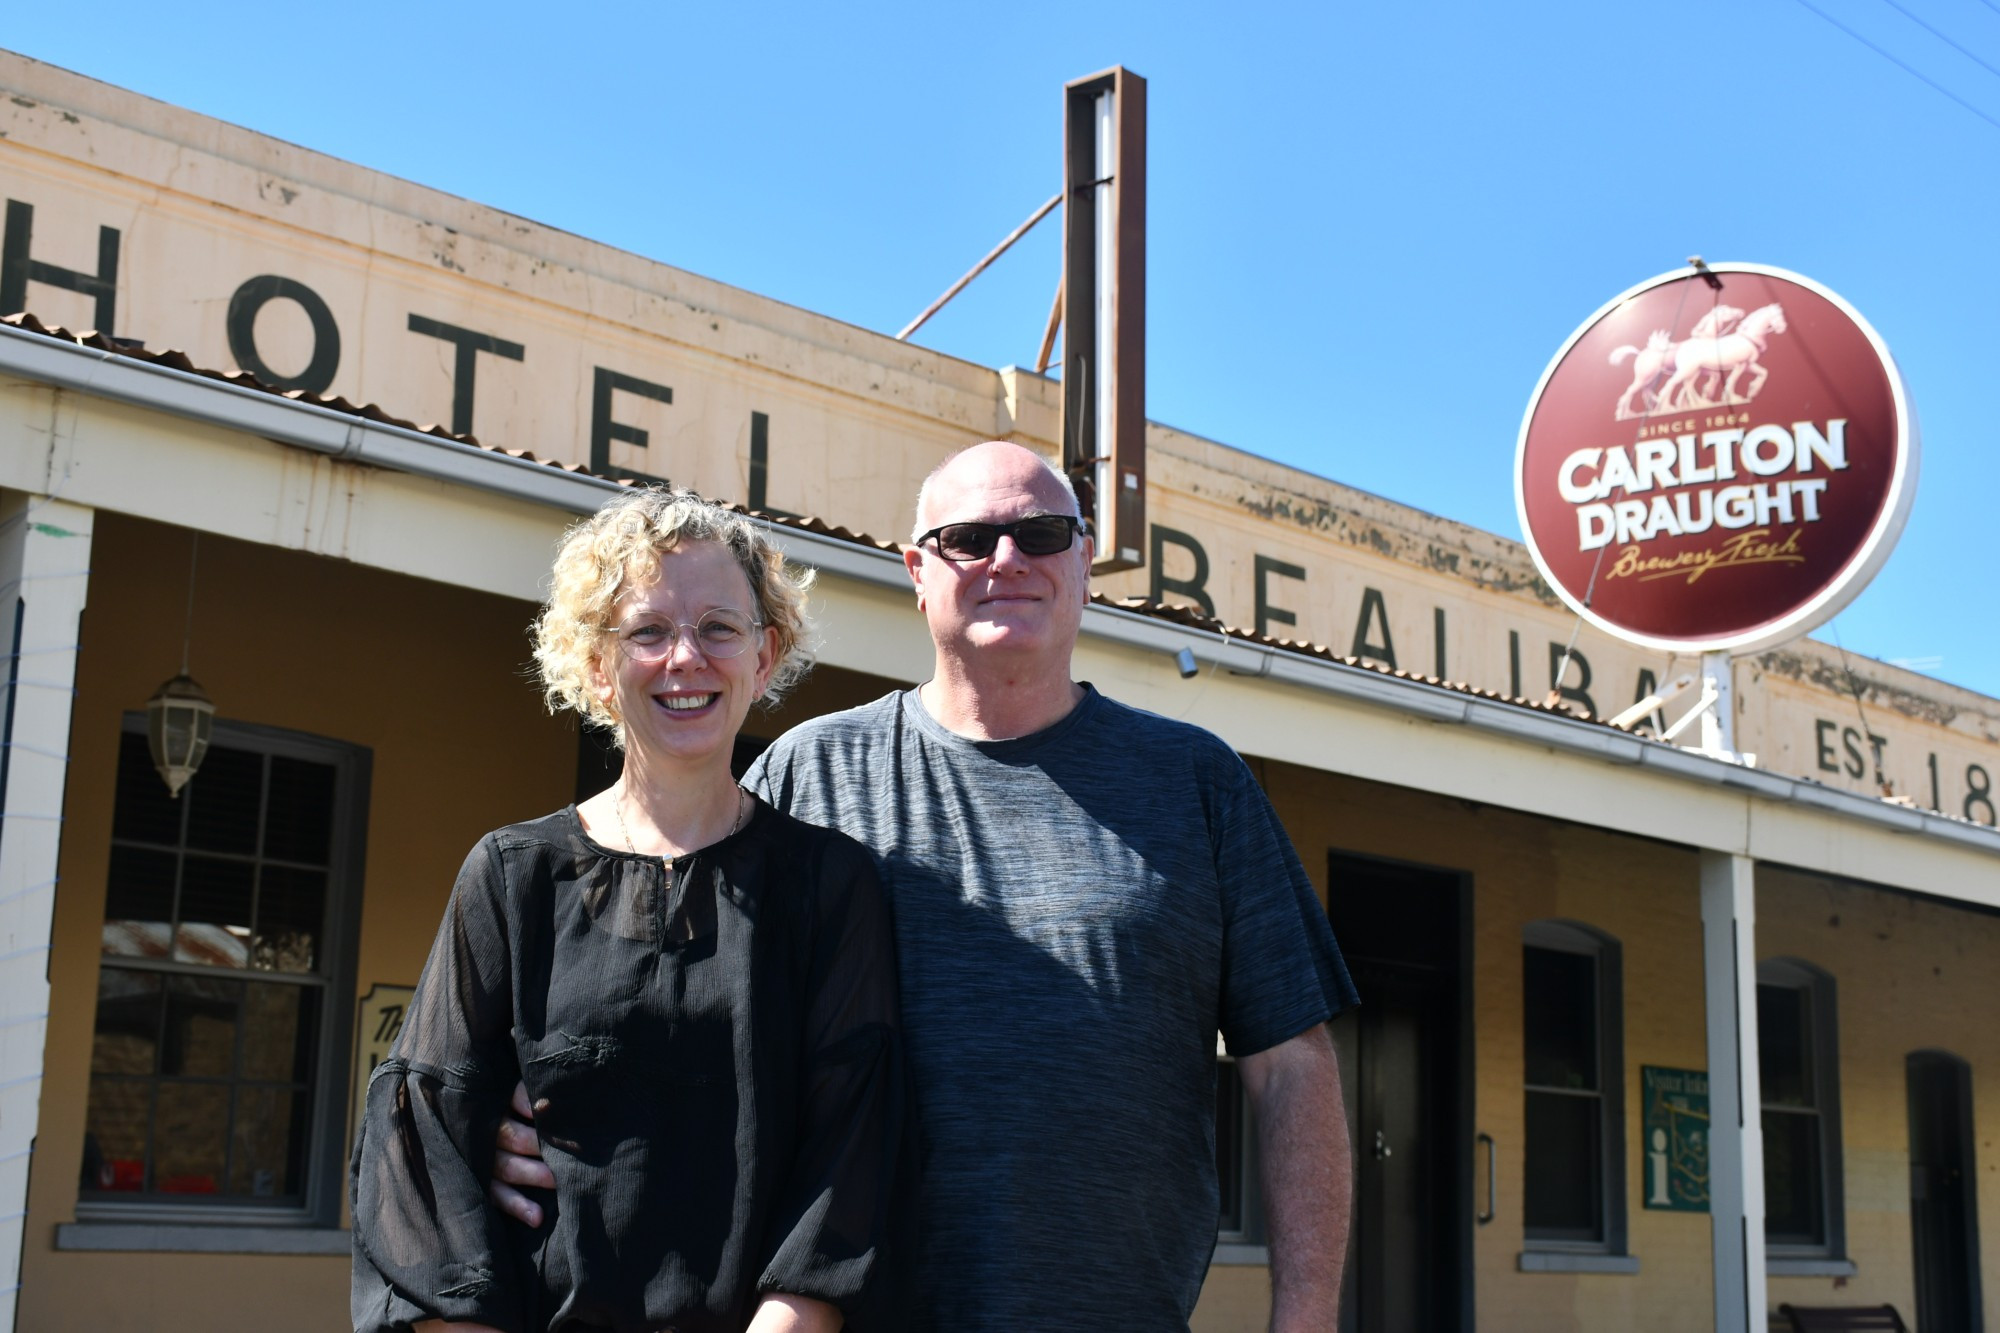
(1944, 1212)
(1404, 1067)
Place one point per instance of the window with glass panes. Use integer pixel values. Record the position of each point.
(218, 1015)
(1241, 1221)
(1796, 1068)
(1573, 1193)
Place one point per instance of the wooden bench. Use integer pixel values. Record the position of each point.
(1844, 1319)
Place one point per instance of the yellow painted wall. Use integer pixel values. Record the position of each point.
(279, 639)
(1909, 975)
(460, 745)
(1912, 974)
(1236, 1298)
(1527, 869)
(854, 418)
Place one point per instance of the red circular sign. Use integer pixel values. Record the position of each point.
(1716, 461)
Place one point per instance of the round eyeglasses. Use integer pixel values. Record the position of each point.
(719, 635)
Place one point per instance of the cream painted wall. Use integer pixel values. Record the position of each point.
(1374, 577)
(854, 418)
(203, 207)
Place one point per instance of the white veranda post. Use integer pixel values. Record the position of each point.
(44, 575)
(1735, 1092)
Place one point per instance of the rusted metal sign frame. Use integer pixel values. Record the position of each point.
(1104, 311)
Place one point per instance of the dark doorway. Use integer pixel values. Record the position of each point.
(1944, 1209)
(1404, 1064)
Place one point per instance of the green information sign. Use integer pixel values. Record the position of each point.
(1676, 1132)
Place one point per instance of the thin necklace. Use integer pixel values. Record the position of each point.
(742, 813)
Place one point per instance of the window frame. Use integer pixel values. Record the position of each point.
(1575, 938)
(1822, 1019)
(325, 1153)
(1247, 1240)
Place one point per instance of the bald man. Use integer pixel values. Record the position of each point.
(1085, 894)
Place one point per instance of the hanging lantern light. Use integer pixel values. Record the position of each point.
(179, 719)
(180, 716)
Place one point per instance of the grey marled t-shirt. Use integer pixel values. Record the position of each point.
(1077, 913)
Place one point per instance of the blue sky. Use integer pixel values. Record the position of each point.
(1370, 226)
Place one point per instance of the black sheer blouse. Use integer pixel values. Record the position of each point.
(714, 1052)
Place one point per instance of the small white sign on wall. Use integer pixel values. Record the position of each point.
(378, 1021)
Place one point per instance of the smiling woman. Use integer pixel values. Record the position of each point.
(617, 551)
(696, 992)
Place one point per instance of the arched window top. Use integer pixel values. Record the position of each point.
(1568, 936)
(1936, 1056)
(1798, 1059)
(1794, 972)
(1572, 1047)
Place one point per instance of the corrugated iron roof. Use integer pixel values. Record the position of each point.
(1179, 615)
(174, 359)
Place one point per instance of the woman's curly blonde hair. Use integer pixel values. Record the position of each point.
(618, 548)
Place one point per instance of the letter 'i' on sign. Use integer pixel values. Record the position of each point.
(1104, 309)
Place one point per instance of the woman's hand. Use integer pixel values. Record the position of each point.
(780, 1313)
(517, 1161)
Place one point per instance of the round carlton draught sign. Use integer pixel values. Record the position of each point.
(1717, 460)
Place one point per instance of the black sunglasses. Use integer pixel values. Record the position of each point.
(1044, 534)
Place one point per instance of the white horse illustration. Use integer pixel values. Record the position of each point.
(1659, 358)
(1702, 362)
